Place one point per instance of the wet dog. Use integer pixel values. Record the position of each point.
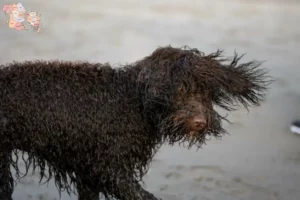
(97, 128)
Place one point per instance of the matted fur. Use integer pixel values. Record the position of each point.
(97, 126)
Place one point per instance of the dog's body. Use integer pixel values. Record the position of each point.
(67, 127)
(98, 128)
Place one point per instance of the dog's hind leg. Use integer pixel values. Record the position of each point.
(6, 179)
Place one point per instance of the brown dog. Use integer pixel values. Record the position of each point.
(98, 127)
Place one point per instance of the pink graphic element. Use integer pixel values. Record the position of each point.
(19, 26)
(8, 8)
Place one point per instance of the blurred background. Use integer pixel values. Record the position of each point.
(260, 159)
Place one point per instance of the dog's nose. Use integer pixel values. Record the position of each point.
(199, 124)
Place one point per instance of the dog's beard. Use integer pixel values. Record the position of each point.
(178, 132)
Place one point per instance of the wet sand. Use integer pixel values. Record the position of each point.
(260, 159)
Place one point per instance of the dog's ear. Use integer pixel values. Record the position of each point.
(244, 83)
(152, 82)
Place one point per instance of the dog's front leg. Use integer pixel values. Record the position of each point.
(86, 190)
(125, 189)
(87, 194)
(6, 179)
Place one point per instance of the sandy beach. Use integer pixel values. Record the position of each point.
(260, 158)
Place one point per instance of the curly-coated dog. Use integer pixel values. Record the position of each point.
(97, 128)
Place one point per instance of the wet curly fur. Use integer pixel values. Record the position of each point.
(97, 128)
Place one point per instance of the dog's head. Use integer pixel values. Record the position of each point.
(180, 87)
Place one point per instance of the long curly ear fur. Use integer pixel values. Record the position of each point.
(224, 80)
(232, 82)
